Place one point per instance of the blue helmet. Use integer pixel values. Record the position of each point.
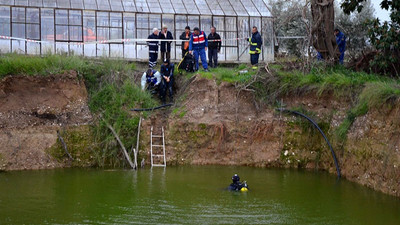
(235, 178)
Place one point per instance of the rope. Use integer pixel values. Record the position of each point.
(183, 58)
(126, 40)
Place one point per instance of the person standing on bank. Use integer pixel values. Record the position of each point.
(214, 47)
(153, 48)
(186, 37)
(255, 47)
(198, 46)
(166, 45)
(341, 42)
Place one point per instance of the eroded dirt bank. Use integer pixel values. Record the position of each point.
(32, 110)
(212, 123)
(215, 124)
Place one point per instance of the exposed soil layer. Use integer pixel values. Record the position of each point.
(211, 123)
(32, 109)
(215, 124)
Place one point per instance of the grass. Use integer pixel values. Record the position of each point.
(79, 144)
(321, 79)
(371, 91)
(112, 93)
(179, 111)
(90, 69)
(230, 75)
(378, 94)
(375, 95)
(360, 109)
(112, 103)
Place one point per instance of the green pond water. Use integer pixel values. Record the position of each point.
(189, 195)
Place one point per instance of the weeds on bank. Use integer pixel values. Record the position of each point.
(229, 74)
(179, 111)
(376, 95)
(371, 91)
(337, 79)
(91, 69)
(112, 103)
(80, 146)
(112, 93)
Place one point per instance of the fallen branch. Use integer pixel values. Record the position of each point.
(64, 144)
(137, 142)
(122, 146)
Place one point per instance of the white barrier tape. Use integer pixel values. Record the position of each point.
(112, 41)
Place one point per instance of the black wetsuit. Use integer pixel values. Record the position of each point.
(236, 186)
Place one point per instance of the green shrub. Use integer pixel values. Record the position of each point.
(230, 75)
(112, 103)
(374, 96)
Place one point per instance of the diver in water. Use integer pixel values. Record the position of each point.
(236, 185)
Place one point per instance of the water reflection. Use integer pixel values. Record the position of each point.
(195, 195)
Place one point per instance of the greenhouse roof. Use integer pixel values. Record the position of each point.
(195, 7)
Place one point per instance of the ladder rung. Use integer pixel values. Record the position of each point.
(158, 136)
(159, 165)
(158, 155)
(158, 146)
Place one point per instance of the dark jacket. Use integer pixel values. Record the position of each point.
(166, 45)
(153, 45)
(341, 41)
(183, 37)
(255, 43)
(214, 41)
(236, 186)
(167, 71)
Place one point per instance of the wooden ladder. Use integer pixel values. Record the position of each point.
(163, 163)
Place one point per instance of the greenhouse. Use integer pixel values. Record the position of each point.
(113, 28)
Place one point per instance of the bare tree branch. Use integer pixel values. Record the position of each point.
(122, 146)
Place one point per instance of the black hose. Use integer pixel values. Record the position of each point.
(154, 108)
(319, 129)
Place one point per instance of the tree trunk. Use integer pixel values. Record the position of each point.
(324, 40)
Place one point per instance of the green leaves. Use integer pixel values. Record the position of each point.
(113, 102)
(350, 6)
(385, 37)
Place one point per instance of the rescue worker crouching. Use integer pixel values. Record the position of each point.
(255, 47)
(150, 80)
(167, 74)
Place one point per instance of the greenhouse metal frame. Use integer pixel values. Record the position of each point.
(82, 27)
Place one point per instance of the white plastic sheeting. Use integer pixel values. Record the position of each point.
(63, 25)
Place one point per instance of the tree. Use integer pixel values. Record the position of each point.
(323, 38)
(355, 28)
(288, 23)
(385, 37)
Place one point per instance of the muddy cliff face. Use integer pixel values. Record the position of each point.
(212, 123)
(216, 124)
(371, 154)
(32, 110)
